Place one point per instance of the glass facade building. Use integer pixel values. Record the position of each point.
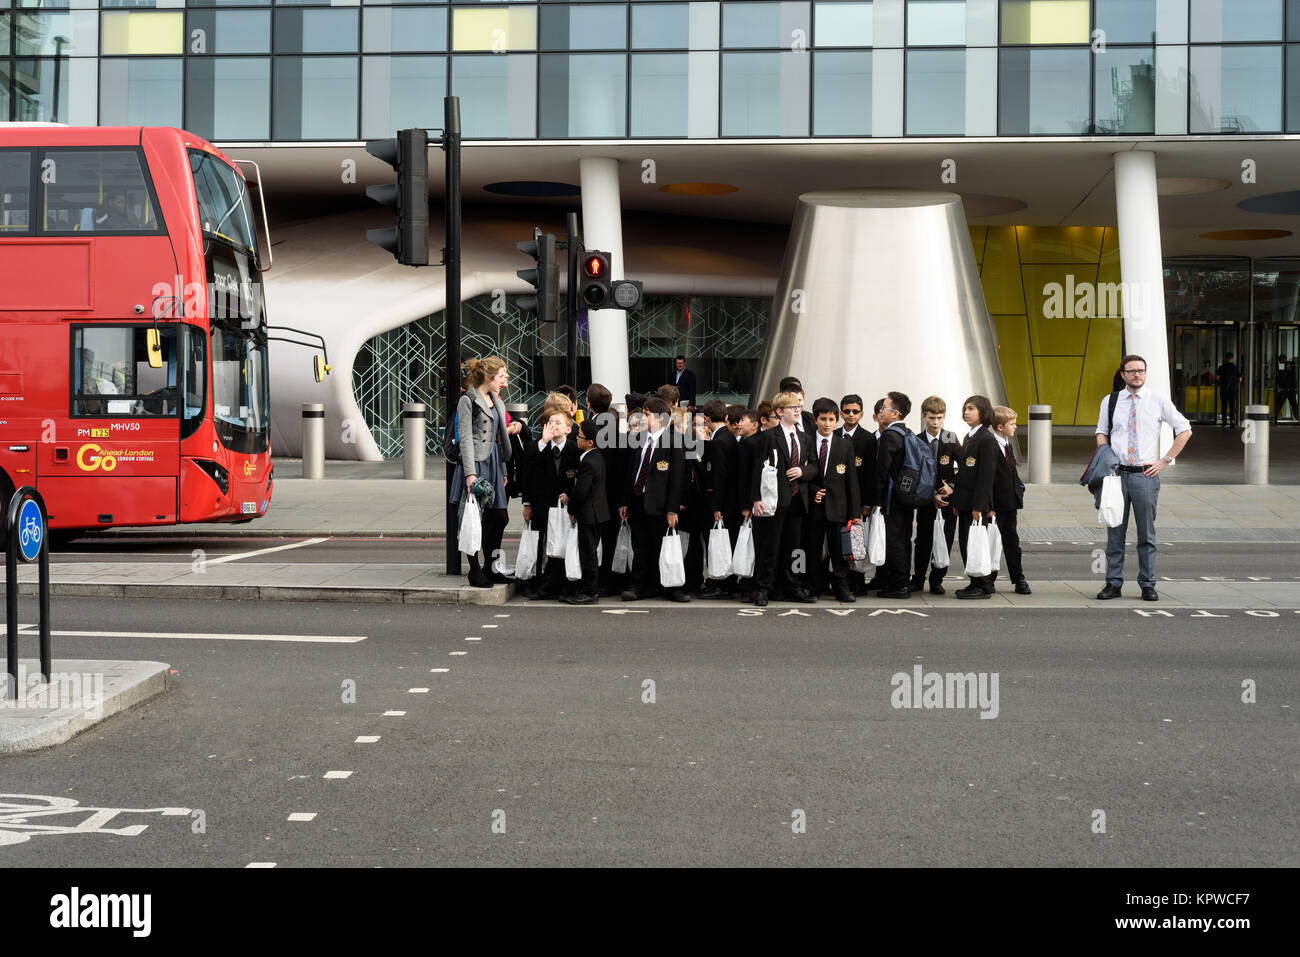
(344, 70)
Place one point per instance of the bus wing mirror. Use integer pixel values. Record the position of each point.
(153, 347)
(320, 367)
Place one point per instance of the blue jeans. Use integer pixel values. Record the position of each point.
(1140, 495)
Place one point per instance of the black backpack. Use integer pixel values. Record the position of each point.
(916, 479)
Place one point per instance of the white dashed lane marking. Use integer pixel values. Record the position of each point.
(417, 690)
(259, 864)
(264, 551)
(394, 714)
(367, 738)
(439, 671)
(337, 775)
(458, 652)
(302, 816)
(474, 638)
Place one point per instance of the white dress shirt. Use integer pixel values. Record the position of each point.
(1152, 409)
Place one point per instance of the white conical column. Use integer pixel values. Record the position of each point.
(602, 228)
(1142, 270)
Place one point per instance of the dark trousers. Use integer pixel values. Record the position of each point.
(819, 530)
(495, 521)
(898, 548)
(964, 522)
(608, 540)
(924, 551)
(1011, 556)
(775, 540)
(1229, 402)
(588, 539)
(648, 533)
(694, 560)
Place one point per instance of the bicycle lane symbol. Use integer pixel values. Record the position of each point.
(18, 811)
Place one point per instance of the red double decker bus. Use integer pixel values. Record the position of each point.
(133, 338)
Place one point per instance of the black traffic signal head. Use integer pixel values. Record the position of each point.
(594, 277)
(408, 197)
(544, 277)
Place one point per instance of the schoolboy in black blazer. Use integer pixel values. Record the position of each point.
(652, 499)
(973, 497)
(1008, 497)
(552, 470)
(836, 502)
(777, 536)
(588, 511)
(898, 516)
(946, 450)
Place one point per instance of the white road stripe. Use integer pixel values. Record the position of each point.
(458, 652)
(394, 714)
(264, 551)
(502, 616)
(439, 671)
(260, 864)
(366, 739)
(302, 816)
(215, 636)
(417, 690)
(489, 626)
(474, 638)
(337, 775)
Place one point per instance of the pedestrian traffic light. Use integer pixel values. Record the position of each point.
(408, 197)
(595, 279)
(545, 277)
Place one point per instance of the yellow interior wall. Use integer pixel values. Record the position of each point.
(143, 32)
(1067, 363)
(1044, 21)
(495, 28)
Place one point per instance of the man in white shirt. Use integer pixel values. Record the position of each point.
(1134, 434)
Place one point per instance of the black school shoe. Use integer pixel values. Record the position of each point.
(1022, 588)
(712, 590)
(760, 598)
(894, 593)
(579, 598)
(676, 594)
(842, 594)
(1110, 591)
(974, 591)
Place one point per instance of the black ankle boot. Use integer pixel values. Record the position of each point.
(476, 576)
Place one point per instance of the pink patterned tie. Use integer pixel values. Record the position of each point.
(1133, 431)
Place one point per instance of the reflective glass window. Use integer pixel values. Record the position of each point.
(142, 32)
(498, 95)
(674, 94)
(15, 190)
(765, 94)
(318, 3)
(405, 29)
(1235, 89)
(1043, 92)
(401, 92)
(1127, 21)
(1125, 94)
(936, 92)
(111, 374)
(1045, 21)
(227, 3)
(316, 31)
(97, 190)
(4, 31)
(1293, 20)
(46, 33)
(315, 98)
(1293, 89)
(842, 93)
(843, 24)
(140, 92)
(223, 201)
(229, 98)
(772, 25)
(936, 22)
(1220, 21)
(106, 4)
(494, 28)
(583, 95)
(588, 27)
(229, 31)
(661, 26)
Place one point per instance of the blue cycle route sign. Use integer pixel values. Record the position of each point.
(31, 530)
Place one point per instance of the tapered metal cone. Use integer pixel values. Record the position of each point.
(879, 292)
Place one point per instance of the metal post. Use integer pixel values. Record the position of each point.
(576, 252)
(11, 598)
(1255, 438)
(313, 440)
(414, 417)
(1040, 445)
(451, 258)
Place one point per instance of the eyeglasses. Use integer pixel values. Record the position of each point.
(851, 411)
(1135, 371)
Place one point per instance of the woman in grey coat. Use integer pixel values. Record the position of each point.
(484, 450)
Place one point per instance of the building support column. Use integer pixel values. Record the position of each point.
(602, 228)
(1142, 269)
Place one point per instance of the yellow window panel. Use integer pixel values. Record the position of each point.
(1045, 21)
(1016, 362)
(496, 29)
(1058, 382)
(143, 32)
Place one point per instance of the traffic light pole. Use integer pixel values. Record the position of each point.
(575, 252)
(451, 258)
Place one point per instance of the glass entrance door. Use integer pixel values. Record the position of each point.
(1198, 351)
(1282, 366)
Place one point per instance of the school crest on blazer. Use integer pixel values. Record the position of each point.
(970, 461)
(857, 461)
(662, 465)
(945, 459)
(840, 469)
(571, 473)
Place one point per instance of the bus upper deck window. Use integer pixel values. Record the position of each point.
(15, 186)
(97, 190)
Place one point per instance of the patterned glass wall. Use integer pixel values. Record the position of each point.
(722, 338)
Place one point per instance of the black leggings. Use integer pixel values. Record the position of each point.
(494, 526)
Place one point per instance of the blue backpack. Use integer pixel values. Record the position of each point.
(916, 480)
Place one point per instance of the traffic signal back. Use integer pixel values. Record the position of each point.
(408, 197)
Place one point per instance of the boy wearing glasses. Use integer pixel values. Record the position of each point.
(1132, 429)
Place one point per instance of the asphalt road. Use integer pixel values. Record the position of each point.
(1057, 561)
(541, 745)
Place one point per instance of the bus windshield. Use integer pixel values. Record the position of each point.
(223, 201)
(240, 403)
